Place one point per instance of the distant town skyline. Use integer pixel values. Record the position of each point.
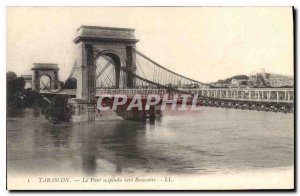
(203, 43)
(257, 72)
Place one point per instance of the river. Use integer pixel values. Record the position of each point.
(213, 140)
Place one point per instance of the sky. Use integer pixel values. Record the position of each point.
(203, 43)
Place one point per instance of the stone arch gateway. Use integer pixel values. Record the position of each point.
(95, 41)
(48, 69)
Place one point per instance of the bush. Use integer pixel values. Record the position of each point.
(71, 83)
(14, 92)
(58, 110)
(33, 99)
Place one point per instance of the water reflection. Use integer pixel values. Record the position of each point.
(211, 140)
(109, 147)
(89, 150)
(13, 112)
(36, 112)
(60, 138)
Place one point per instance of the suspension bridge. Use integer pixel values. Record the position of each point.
(108, 62)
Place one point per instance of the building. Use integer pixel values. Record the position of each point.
(238, 83)
(276, 80)
(264, 79)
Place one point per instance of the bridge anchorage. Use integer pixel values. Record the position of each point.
(108, 62)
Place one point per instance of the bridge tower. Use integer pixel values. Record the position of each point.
(93, 42)
(45, 69)
(96, 41)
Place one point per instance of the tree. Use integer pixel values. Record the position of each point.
(59, 110)
(240, 77)
(71, 83)
(15, 86)
(11, 76)
(221, 81)
(228, 80)
(14, 89)
(33, 99)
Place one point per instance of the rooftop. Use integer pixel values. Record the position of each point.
(47, 66)
(108, 28)
(27, 76)
(107, 34)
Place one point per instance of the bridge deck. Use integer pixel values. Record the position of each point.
(60, 92)
(279, 95)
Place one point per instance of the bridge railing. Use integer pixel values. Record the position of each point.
(280, 95)
(235, 94)
(131, 92)
(58, 91)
